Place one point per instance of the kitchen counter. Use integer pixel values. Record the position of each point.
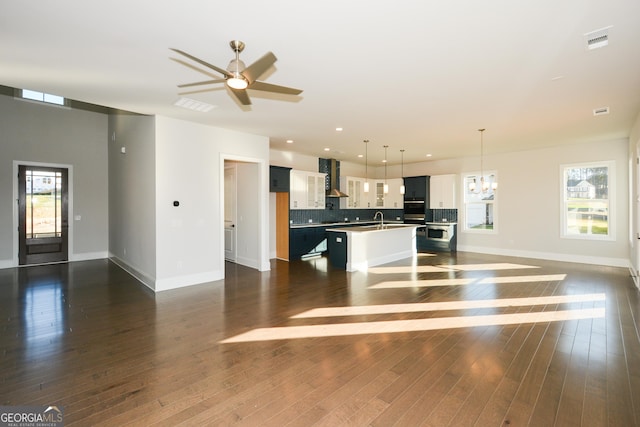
(441, 223)
(359, 247)
(341, 223)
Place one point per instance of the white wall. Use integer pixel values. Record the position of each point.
(190, 169)
(310, 163)
(528, 208)
(634, 197)
(36, 133)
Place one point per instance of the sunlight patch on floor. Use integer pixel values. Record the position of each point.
(447, 305)
(482, 267)
(446, 267)
(422, 283)
(408, 269)
(522, 279)
(413, 325)
(468, 281)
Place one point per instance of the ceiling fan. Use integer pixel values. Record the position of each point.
(237, 76)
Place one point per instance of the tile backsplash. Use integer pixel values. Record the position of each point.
(442, 215)
(317, 216)
(302, 216)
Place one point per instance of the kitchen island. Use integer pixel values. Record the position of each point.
(357, 248)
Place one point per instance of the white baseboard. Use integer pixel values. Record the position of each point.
(550, 256)
(87, 256)
(634, 275)
(143, 278)
(7, 263)
(188, 280)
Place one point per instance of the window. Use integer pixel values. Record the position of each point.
(42, 97)
(480, 201)
(586, 200)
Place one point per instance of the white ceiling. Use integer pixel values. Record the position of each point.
(417, 75)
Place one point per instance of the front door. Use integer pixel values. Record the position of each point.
(42, 218)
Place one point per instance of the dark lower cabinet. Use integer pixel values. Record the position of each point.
(337, 245)
(427, 243)
(307, 241)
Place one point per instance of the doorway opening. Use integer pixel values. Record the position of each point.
(244, 211)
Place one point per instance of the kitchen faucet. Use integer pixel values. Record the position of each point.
(381, 218)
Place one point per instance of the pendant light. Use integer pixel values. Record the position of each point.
(386, 186)
(484, 185)
(402, 171)
(366, 162)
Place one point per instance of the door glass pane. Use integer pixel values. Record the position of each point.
(44, 204)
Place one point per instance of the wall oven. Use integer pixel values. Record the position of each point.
(414, 212)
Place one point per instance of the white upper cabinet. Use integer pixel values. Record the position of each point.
(375, 198)
(394, 199)
(442, 191)
(354, 187)
(307, 190)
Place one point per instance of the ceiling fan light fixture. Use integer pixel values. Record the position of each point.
(237, 76)
(237, 82)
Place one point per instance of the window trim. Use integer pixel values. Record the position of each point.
(611, 191)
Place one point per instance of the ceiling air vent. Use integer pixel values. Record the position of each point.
(192, 104)
(597, 38)
(601, 111)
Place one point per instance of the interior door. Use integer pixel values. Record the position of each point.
(43, 223)
(230, 232)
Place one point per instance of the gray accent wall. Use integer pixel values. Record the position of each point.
(38, 133)
(132, 195)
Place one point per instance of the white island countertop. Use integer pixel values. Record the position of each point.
(371, 245)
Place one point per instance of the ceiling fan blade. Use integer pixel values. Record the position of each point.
(241, 95)
(268, 87)
(193, 67)
(258, 68)
(206, 82)
(200, 61)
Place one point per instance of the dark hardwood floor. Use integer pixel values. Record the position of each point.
(445, 340)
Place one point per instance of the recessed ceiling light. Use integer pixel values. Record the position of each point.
(289, 141)
(360, 155)
(429, 155)
(338, 129)
(327, 149)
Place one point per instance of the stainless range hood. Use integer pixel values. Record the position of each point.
(333, 190)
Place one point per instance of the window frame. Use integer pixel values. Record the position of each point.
(41, 97)
(611, 191)
(493, 202)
